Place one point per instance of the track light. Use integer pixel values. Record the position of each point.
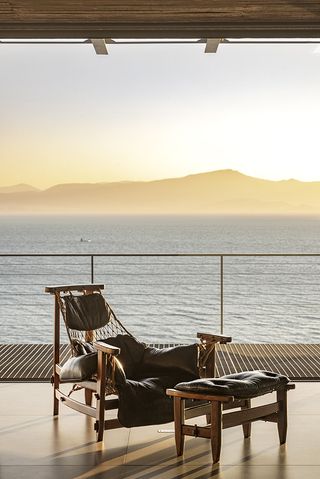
(212, 45)
(99, 44)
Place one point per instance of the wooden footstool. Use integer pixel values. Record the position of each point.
(221, 399)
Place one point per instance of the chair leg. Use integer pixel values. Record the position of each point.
(247, 426)
(216, 430)
(55, 386)
(88, 396)
(55, 404)
(178, 405)
(100, 395)
(100, 411)
(282, 415)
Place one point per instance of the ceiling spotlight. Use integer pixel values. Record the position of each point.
(212, 45)
(99, 44)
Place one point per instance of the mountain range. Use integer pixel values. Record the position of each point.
(216, 192)
(21, 188)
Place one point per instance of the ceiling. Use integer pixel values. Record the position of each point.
(159, 18)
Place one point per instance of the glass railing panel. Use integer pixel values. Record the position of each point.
(163, 298)
(26, 312)
(272, 298)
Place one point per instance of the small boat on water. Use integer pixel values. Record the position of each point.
(85, 240)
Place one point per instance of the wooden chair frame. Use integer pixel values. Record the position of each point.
(103, 386)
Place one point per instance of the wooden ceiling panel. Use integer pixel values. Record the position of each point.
(159, 19)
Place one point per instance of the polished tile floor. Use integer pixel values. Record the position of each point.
(35, 445)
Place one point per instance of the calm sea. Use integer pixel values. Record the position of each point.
(166, 299)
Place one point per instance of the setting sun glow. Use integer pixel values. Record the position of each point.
(157, 111)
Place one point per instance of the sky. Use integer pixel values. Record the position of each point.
(157, 111)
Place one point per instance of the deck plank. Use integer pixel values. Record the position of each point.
(33, 362)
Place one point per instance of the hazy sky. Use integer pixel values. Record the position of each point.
(146, 112)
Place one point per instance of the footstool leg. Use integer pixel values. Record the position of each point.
(247, 426)
(178, 405)
(216, 430)
(282, 415)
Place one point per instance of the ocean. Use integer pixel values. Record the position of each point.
(166, 299)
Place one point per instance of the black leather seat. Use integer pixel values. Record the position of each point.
(247, 384)
(142, 376)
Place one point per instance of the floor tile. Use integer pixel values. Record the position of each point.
(34, 444)
(68, 439)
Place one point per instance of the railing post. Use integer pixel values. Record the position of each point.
(92, 270)
(221, 294)
(56, 355)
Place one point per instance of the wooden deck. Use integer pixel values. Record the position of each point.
(297, 361)
(33, 362)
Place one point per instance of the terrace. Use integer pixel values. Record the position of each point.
(230, 295)
(143, 288)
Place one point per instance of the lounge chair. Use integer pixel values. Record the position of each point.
(117, 370)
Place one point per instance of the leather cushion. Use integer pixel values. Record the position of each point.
(79, 368)
(145, 402)
(131, 352)
(86, 312)
(246, 384)
(175, 361)
(141, 361)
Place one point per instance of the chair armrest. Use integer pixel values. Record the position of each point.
(106, 348)
(75, 287)
(109, 371)
(214, 338)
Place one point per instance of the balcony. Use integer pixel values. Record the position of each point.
(268, 303)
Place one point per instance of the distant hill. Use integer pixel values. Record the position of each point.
(17, 188)
(216, 192)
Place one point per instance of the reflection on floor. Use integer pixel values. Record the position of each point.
(33, 444)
